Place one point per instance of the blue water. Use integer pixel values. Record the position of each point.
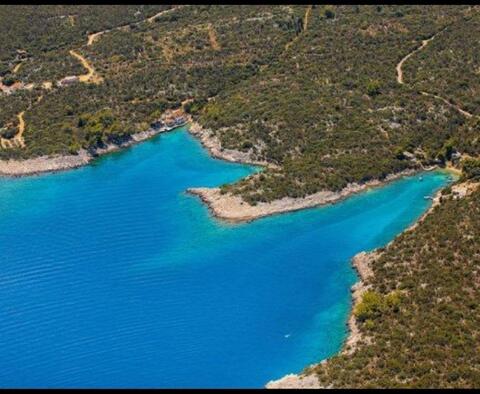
(112, 276)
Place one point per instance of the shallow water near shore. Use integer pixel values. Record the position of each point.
(112, 276)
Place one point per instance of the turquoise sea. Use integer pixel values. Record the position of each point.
(112, 276)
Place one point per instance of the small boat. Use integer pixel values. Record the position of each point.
(428, 197)
(420, 179)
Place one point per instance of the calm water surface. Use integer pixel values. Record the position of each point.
(112, 276)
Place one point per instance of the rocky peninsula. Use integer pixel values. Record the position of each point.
(233, 208)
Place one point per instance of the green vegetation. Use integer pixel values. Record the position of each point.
(147, 67)
(328, 115)
(373, 305)
(471, 168)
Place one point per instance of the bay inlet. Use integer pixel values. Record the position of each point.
(113, 276)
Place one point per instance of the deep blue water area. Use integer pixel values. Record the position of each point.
(112, 276)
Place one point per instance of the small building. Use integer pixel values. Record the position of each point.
(179, 120)
(174, 118)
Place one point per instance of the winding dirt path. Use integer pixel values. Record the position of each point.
(91, 76)
(401, 81)
(18, 139)
(158, 14)
(450, 104)
(92, 37)
(307, 15)
(400, 64)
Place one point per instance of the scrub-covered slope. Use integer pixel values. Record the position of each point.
(148, 60)
(419, 320)
(330, 111)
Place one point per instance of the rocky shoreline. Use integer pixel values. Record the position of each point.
(305, 380)
(233, 208)
(214, 147)
(293, 381)
(45, 164)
